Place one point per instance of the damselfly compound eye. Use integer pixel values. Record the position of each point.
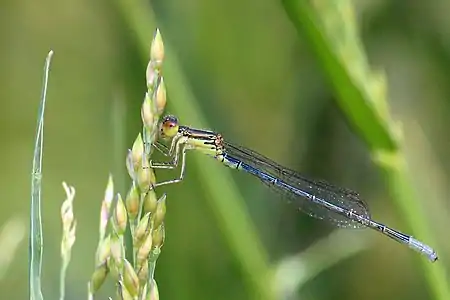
(169, 126)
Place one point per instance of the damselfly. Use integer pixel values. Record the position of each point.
(341, 207)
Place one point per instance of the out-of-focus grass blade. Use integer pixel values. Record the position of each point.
(331, 29)
(292, 272)
(12, 234)
(227, 202)
(36, 238)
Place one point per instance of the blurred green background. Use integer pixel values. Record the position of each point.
(244, 70)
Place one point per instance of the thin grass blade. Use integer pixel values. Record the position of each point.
(36, 237)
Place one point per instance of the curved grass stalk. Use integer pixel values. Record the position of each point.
(293, 272)
(331, 29)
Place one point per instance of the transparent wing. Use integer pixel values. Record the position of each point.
(344, 198)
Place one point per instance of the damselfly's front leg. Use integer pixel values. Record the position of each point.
(183, 163)
(174, 152)
(168, 152)
(163, 149)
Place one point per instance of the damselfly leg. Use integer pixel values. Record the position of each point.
(177, 150)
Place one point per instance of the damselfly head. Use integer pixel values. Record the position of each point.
(169, 126)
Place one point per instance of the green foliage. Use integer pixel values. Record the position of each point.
(253, 71)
